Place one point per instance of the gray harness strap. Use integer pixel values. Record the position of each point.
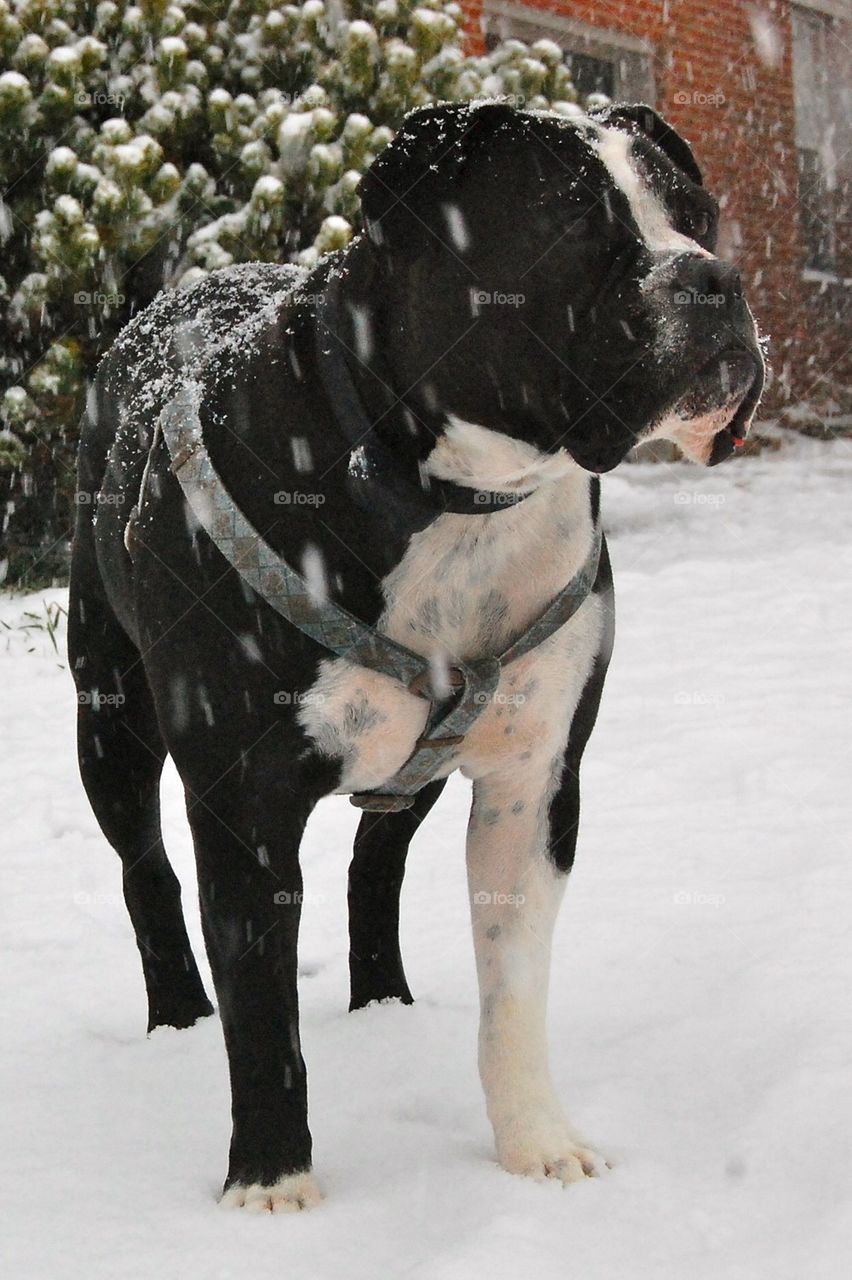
(271, 577)
(471, 684)
(478, 682)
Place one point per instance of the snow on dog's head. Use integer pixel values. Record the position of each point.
(553, 278)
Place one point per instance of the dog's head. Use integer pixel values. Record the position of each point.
(555, 281)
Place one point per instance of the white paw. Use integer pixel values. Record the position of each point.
(565, 1159)
(287, 1195)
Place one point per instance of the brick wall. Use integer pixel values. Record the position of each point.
(734, 102)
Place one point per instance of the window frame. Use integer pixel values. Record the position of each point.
(523, 22)
(815, 205)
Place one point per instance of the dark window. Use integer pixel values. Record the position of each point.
(614, 63)
(815, 72)
(816, 211)
(591, 75)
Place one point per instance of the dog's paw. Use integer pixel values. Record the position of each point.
(565, 1160)
(288, 1195)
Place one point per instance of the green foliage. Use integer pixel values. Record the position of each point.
(142, 145)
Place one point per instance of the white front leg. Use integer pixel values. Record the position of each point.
(515, 892)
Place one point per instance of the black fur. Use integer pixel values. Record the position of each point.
(375, 881)
(173, 654)
(564, 814)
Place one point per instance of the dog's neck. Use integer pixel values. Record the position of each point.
(428, 441)
(363, 316)
(470, 454)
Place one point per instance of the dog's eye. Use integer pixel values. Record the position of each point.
(699, 224)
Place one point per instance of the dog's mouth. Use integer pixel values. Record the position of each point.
(732, 436)
(710, 422)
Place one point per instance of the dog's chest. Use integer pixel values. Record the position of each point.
(466, 588)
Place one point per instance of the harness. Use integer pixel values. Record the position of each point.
(458, 695)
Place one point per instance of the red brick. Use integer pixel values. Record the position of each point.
(747, 149)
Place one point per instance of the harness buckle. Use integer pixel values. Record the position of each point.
(422, 685)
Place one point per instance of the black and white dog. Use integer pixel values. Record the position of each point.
(531, 295)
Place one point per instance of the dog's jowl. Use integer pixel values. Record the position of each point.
(347, 539)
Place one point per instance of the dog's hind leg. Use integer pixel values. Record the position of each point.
(375, 880)
(121, 756)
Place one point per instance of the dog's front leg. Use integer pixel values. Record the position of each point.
(515, 891)
(250, 886)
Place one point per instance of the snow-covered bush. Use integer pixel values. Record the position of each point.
(144, 144)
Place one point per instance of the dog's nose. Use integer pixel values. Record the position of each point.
(708, 280)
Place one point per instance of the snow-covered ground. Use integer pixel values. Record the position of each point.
(700, 1027)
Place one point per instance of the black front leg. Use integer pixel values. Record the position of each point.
(375, 880)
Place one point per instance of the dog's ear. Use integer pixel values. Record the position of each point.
(405, 186)
(637, 117)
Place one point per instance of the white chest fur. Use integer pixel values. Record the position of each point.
(466, 588)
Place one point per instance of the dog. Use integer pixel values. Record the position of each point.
(297, 489)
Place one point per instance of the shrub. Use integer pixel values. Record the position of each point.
(142, 145)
